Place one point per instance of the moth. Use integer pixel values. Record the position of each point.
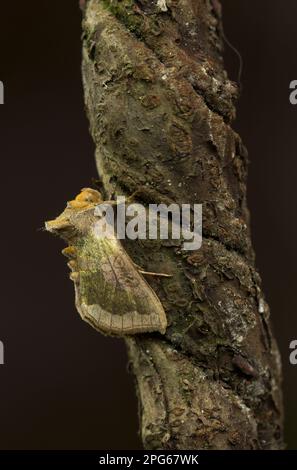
(110, 292)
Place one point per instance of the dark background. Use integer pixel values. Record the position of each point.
(63, 385)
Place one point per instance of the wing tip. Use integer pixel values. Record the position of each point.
(96, 317)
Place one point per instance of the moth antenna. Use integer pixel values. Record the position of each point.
(236, 51)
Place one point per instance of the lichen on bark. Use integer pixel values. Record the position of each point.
(160, 106)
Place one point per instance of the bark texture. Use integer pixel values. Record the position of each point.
(160, 106)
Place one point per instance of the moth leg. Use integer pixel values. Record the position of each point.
(129, 199)
(72, 264)
(74, 276)
(69, 252)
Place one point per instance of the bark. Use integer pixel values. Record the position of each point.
(160, 106)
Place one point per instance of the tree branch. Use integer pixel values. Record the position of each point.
(160, 105)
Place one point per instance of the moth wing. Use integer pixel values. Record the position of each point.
(113, 297)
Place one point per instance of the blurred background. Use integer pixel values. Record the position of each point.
(64, 386)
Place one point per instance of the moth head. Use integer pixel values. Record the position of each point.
(61, 226)
(76, 217)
